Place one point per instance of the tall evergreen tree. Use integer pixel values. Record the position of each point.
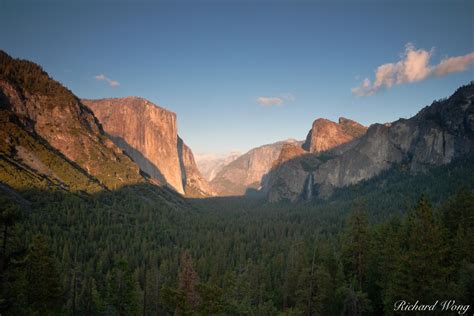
(44, 288)
(188, 279)
(356, 246)
(419, 271)
(122, 291)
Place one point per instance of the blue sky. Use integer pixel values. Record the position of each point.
(210, 61)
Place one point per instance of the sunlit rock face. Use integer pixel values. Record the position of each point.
(291, 178)
(54, 114)
(148, 133)
(247, 171)
(194, 184)
(326, 134)
(435, 136)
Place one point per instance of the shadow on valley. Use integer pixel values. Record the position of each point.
(143, 249)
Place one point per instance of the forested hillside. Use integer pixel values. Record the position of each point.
(129, 252)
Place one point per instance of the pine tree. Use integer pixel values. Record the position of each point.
(9, 215)
(458, 219)
(419, 272)
(188, 279)
(122, 291)
(90, 302)
(42, 276)
(12, 277)
(356, 246)
(211, 299)
(152, 291)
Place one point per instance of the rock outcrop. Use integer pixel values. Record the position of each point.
(193, 182)
(247, 171)
(289, 151)
(291, 176)
(148, 134)
(50, 118)
(435, 136)
(281, 169)
(326, 134)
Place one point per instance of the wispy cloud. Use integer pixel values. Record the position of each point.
(277, 100)
(454, 64)
(269, 101)
(413, 66)
(111, 82)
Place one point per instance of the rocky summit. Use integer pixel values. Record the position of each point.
(437, 135)
(148, 133)
(326, 134)
(260, 168)
(289, 178)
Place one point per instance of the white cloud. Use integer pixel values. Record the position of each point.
(278, 100)
(454, 64)
(413, 66)
(111, 82)
(268, 101)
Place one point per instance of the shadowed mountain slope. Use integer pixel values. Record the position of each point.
(50, 138)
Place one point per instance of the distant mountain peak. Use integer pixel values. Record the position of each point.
(326, 134)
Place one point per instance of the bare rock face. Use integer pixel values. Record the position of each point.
(247, 171)
(44, 107)
(211, 165)
(325, 134)
(287, 180)
(291, 178)
(289, 151)
(435, 136)
(148, 133)
(194, 183)
(343, 154)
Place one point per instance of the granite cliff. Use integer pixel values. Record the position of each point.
(289, 177)
(437, 135)
(148, 134)
(247, 171)
(193, 182)
(326, 134)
